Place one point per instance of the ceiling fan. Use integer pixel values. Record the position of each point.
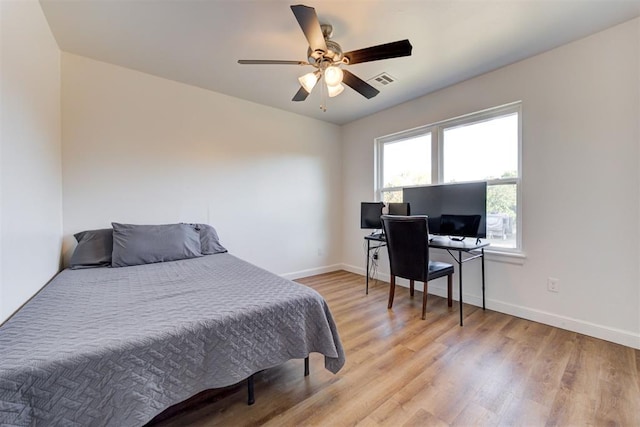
(327, 57)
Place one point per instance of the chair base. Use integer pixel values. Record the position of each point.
(425, 293)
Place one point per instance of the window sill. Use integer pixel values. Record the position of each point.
(517, 258)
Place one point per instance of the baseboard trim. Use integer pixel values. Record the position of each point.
(312, 271)
(618, 336)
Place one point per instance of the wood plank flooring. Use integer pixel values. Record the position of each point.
(404, 371)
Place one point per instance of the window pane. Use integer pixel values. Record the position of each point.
(501, 215)
(407, 162)
(483, 150)
(392, 196)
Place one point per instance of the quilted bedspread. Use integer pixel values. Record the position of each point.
(117, 346)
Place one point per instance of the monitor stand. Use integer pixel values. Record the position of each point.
(460, 239)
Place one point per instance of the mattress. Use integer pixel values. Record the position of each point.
(117, 346)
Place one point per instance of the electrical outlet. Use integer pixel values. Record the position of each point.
(553, 284)
(375, 256)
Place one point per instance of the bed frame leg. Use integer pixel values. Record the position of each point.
(251, 397)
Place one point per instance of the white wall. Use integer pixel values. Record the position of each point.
(581, 189)
(141, 149)
(30, 154)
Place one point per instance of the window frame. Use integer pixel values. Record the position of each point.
(437, 157)
(398, 137)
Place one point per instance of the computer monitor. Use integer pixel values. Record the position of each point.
(399, 209)
(370, 213)
(459, 225)
(449, 199)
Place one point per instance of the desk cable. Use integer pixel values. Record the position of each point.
(373, 261)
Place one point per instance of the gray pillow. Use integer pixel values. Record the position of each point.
(209, 241)
(146, 244)
(93, 250)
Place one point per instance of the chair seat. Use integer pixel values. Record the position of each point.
(439, 269)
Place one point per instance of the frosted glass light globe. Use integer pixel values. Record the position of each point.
(309, 80)
(335, 90)
(333, 76)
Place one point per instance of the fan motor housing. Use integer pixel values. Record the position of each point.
(333, 53)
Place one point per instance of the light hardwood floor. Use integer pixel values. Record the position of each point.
(401, 370)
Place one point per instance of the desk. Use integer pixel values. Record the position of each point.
(441, 242)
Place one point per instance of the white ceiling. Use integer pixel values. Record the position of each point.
(199, 42)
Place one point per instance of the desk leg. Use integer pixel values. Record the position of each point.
(460, 282)
(483, 305)
(366, 273)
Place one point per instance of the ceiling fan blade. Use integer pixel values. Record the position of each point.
(376, 53)
(359, 85)
(301, 95)
(270, 62)
(310, 26)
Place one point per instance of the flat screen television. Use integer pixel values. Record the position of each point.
(461, 204)
(370, 213)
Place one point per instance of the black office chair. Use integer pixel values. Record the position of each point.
(408, 246)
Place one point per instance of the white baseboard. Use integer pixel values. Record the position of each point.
(312, 271)
(618, 336)
(353, 269)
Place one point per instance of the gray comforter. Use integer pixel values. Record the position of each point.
(117, 346)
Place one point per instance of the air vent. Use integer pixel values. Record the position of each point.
(381, 80)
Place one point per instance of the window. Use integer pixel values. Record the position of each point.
(407, 162)
(480, 146)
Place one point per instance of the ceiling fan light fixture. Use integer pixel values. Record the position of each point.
(326, 56)
(335, 90)
(333, 75)
(309, 80)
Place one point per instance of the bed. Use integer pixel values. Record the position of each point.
(117, 346)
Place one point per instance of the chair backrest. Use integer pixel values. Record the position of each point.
(407, 245)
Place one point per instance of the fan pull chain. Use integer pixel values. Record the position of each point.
(323, 96)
